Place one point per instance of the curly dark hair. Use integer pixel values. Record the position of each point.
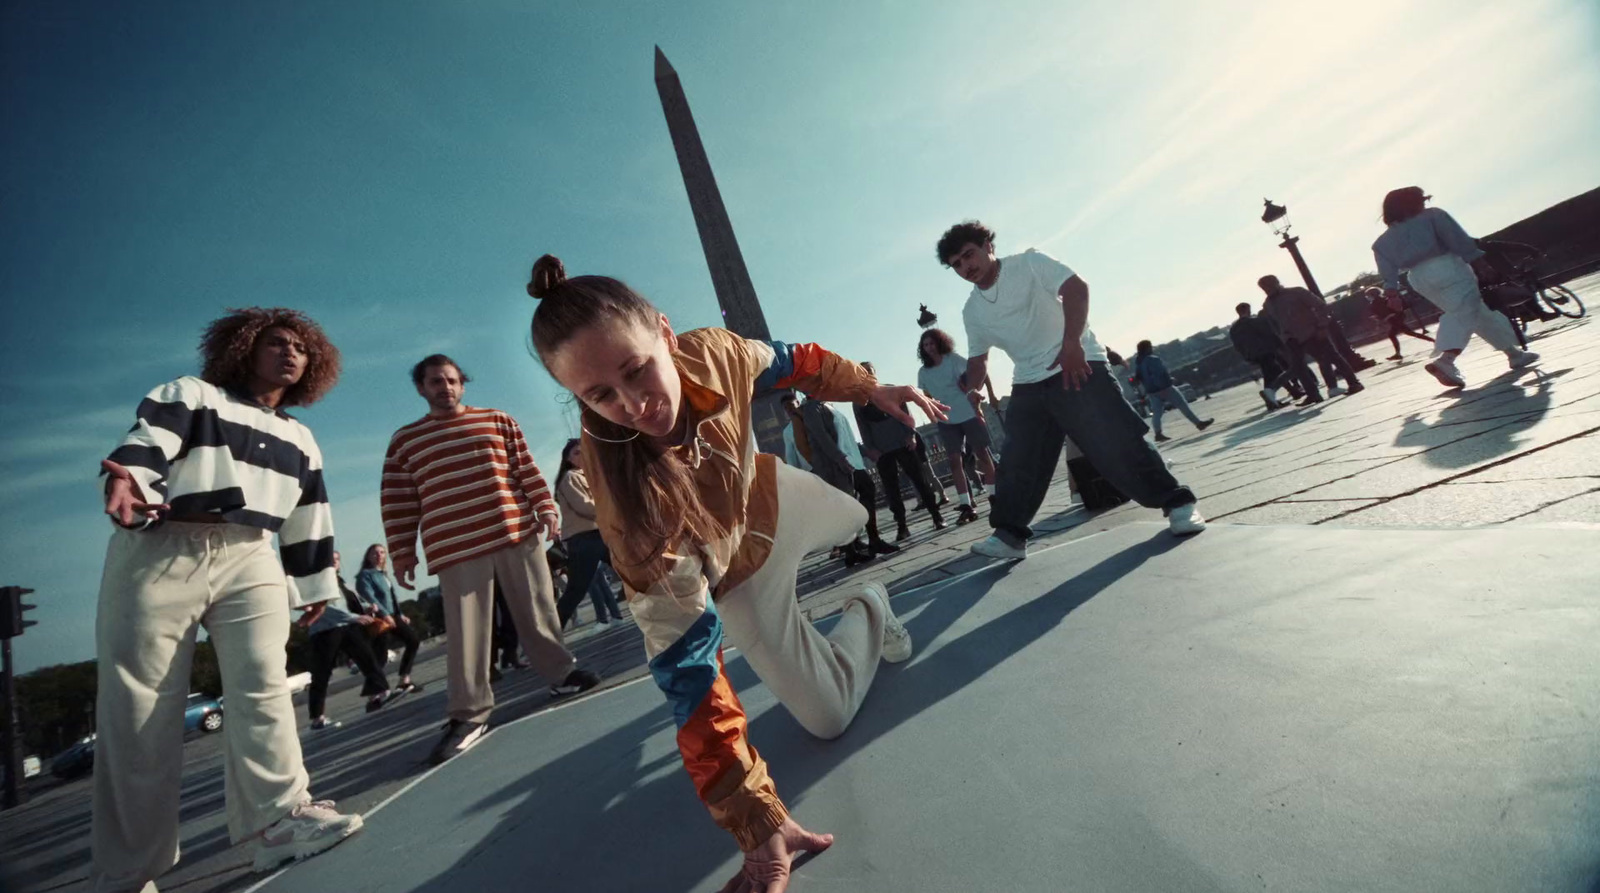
(957, 237)
(947, 346)
(227, 352)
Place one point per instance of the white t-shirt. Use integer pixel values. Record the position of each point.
(940, 383)
(1021, 315)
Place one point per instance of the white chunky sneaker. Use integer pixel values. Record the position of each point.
(995, 547)
(1522, 359)
(1185, 521)
(1445, 370)
(896, 639)
(307, 830)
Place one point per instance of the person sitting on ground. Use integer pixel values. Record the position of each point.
(1158, 386)
(379, 599)
(707, 534)
(1440, 261)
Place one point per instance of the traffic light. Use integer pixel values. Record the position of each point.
(11, 608)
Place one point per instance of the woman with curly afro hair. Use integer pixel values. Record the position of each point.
(210, 470)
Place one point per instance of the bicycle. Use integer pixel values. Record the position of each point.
(1515, 263)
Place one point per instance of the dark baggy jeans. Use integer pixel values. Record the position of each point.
(905, 460)
(325, 647)
(408, 641)
(1104, 427)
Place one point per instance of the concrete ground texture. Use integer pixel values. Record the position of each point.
(1339, 573)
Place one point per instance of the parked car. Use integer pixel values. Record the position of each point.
(74, 761)
(204, 714)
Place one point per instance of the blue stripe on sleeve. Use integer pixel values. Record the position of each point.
(782, 367)
(686, 671)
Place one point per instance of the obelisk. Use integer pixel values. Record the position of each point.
(741, 310)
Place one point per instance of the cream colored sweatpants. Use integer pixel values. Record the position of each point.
(159, 587)
(1448, 283)
(821, 680)
(467, 588)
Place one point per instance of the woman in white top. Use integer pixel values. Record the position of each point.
(943, 376)
(1439, 259)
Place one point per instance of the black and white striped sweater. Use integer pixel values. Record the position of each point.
(204, 450)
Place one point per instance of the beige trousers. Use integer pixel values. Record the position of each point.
(159, 587)
(821, 680)
(468, 592)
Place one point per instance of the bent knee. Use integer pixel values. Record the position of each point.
(827, 724)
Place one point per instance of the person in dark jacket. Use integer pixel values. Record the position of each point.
(1392, 318)
(1303, 319)
(1158, 387)
(890, 444)
(1257, 340)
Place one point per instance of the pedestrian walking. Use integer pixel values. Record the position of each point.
(586, 550)
(1256, 339)
(1152, 373)
(1391, 318)
(821, 442)
(213, 466)
(942, 377)
(342, 628)
(461, 477)
(707, 534)
(1034, 308)
(1303, 319)
(1439, 259)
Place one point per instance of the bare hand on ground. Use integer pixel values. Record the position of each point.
(124, 503)
(891, 399)
(404, 568)
(766, 868)
(1074, 366)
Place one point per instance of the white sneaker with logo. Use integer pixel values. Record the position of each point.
(896, 639)
(1185, 521)
(995, 547)
(307, 830)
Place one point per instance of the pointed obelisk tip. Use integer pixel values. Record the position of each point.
(664, 68)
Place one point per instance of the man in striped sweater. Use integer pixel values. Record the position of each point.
(462, 477)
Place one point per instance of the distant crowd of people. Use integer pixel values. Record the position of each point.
(665, 486)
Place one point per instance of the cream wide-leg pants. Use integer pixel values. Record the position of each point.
(159, 587)
(821, 680)
(1448, 283)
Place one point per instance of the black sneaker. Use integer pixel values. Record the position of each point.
(966, 516)
(882, 548)
(411, 687)
(902, 532)
(459, 737)
(579, 680)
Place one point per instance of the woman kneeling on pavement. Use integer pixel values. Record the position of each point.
(707, 534)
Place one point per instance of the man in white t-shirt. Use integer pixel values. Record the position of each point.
(942, 375)
(1034, 308)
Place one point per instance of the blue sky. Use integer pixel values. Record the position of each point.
(394, 168)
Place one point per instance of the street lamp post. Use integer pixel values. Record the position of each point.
(1277, 217)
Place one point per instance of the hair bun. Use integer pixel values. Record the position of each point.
(548, 276)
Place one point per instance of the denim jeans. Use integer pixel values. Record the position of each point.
(1159, 400)
(585, 551)
(1102, 425)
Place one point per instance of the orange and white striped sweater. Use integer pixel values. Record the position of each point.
(467, 483)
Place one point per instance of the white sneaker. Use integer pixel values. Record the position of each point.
(602, 624)
(1522, 359)
(1445, 370)
(307, 830)
(1185, 521)
(896, 639)
(995, 547)
(1335, 391)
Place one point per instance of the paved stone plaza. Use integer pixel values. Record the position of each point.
(1362, 700)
